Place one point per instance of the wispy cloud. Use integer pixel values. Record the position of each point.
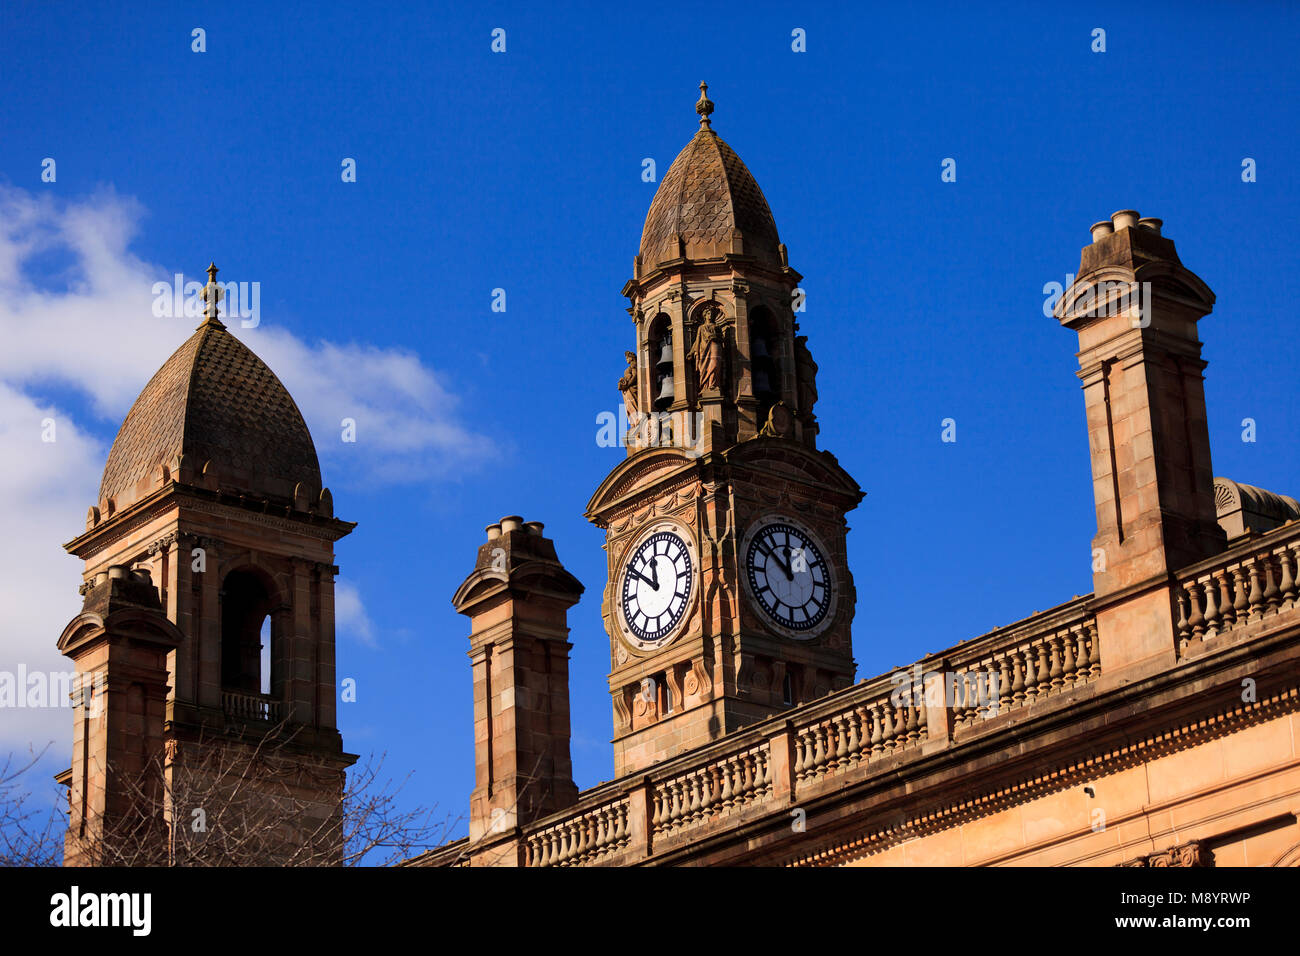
(76, 313)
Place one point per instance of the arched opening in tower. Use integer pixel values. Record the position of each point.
(764, 359)
(246, 635)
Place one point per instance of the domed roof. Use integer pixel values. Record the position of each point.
(706, 195)
(217, 404)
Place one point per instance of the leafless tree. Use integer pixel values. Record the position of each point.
(31, 832)
(247, 800)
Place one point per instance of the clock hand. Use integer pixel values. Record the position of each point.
(779, 563)
(654, 584)
(654, 572)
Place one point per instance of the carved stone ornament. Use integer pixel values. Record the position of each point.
(1187, 855)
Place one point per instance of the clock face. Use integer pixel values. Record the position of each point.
(657, 580)
(789, 577)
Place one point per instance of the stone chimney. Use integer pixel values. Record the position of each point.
(1135, 309)
(517, 599)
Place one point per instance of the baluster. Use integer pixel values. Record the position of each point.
(841, 740)
(708, 787)
(1002, 695)
(1017, 679)
(694, 783)
(1256, 596)
(747, 781)
(1068, 665)
(1094, 651)
(1031, 674)
(1055, 675)
(1240, 602)
(800, 764)
(1184, 633)
(1227, 617)
(877, 735)
(675, 811)
(1288, 585)
(1272, 594)
(855, 741)
(922, 721)
(913, 726)
(761, 757)
(1044, 670)
(819, 751)
(1195, 620)
(1211, 608)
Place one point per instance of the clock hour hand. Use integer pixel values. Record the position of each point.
(648, 580)
(785, 568)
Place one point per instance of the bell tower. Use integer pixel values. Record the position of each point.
(205, 649)
(729, 596)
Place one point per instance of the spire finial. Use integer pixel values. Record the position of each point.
(212, 294)
(704, 106)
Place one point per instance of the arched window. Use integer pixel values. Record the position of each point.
(246, 653)
(764, 359)
(662, 387)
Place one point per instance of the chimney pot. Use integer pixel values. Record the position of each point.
(534, 527)
(511, 523)
(493, 531)
(1124, 219)
(1150, 222)
(1100, 230)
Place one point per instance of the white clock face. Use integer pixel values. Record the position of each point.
(788, 577)
(657, 579)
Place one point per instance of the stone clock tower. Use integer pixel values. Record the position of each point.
(729, 596)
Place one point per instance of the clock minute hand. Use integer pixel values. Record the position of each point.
(653, 582)
(785, 568)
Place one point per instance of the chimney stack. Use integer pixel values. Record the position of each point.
(1135, 309)
(517, 599)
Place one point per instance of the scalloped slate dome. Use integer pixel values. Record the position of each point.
(705, 196)
(213, 401)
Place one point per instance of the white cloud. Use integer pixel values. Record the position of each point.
(45, 488)
(76, 313)
(350, 615)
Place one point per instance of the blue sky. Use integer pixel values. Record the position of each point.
(522, 171)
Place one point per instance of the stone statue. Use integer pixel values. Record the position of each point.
(707, 352)
(806, 369)
(627, 385)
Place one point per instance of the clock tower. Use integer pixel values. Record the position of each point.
(729, 596)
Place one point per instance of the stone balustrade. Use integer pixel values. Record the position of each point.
(247, 706)
(1250, 582)
(1024, 672)
(836, 741)
(712, 790)
(582, 840)
(865, 730)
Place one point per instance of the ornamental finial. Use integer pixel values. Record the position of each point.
(704, 106)
(212, 295)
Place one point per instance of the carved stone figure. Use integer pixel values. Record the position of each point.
(806, 369)
(627, 385)
(707, 352)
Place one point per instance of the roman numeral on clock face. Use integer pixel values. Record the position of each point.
(788, 576)
(656, 586)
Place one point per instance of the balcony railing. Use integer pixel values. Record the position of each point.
(1250, 582)
(247, 706)
(832, 742)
